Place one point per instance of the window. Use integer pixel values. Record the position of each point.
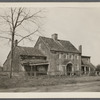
(72, 56)
(60, 55)
(66, 56)
(77, 57)
(77, 67)
(69, 56)
(57, 67)
(60, 68)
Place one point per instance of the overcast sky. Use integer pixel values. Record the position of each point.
(80, 26)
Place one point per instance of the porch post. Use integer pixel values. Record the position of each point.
(96, 73)
(34, 71)
(31, 71)
(65, 70)
(84, 69)
(72, 70)
(89, 71)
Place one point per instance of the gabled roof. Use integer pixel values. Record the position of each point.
(59, 45)
(30, 51)
(27, 51)
(19, 50)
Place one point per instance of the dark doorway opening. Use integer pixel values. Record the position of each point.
(82, 70)
(87, 70)
(69, 69)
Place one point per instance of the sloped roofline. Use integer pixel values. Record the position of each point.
(59, 50)
(66, 51)
(21, 54)
(86, 56)
(44, 43)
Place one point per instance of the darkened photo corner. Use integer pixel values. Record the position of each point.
(49, 49)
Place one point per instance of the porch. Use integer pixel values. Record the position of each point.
(85, 70)
(35, 68)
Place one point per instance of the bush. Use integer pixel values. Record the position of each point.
(77, 73)
(98, 68)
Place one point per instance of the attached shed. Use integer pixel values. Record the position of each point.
(23, 57)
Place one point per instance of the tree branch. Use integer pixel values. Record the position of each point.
(12, 19)
(26, 17)
(28, 35)
(18, 15)
(23, 37)
(5, 37)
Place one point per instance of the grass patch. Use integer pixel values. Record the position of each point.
(6, 82)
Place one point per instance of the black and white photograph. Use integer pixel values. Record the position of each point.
(49, 48)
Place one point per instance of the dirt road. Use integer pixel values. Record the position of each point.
(79, 87)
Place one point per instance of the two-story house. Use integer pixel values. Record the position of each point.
(50, 56)
(62, 56)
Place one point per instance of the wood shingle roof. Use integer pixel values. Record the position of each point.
(28, 51)
(59, 45)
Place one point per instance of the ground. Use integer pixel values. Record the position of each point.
(50, 84)
(79, 87)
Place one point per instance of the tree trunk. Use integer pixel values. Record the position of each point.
(12, 54)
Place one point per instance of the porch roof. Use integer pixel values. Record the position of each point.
(34, 62)
(88, 64)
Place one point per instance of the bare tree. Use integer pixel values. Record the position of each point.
(15, 19)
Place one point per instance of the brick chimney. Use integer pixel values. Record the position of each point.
(80, 49)
(55, 36)
(16, 43)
